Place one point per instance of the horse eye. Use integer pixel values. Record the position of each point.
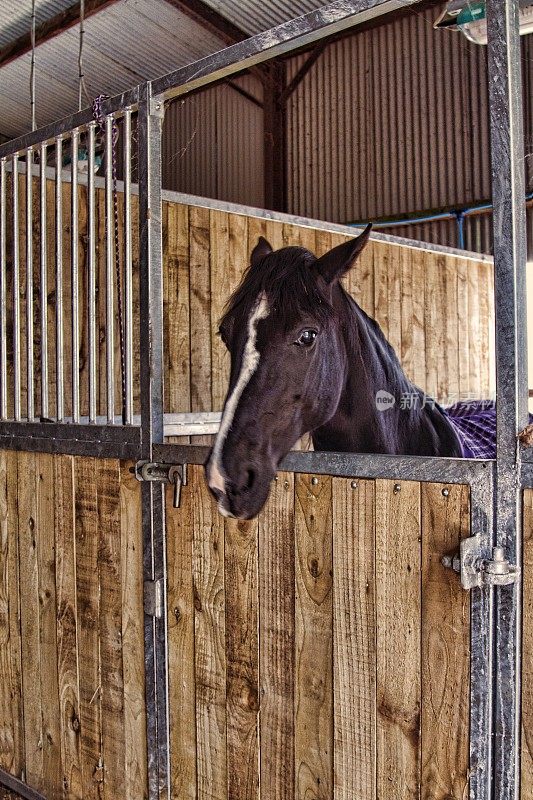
(306, 338)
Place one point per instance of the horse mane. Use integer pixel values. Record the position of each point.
(290, 283)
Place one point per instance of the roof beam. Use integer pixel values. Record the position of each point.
(51, 27)
(210, 20)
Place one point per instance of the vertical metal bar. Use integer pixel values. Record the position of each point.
(3, 305)
(74, 275)
(149, 123)
(481, 648)
(44, 284)
(60, 409)
(91, 295)
(509, 221)
(29, 286)
(16, 291)
(109, 274)
(128, 278)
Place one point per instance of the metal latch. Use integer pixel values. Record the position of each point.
(477, 570)
(153, 598)
(175, 474)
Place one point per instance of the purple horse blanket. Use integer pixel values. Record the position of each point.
(474, 422)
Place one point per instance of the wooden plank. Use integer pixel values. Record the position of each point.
(181, 613)
(276, 637)
(178, 393)
(110, 627)
(313, 736)
(445, 646)
(88, 607)
(67, 633)
(450, 385)
(274, 233)
(463, 331)
(11, 721)
(225, 275)
(431, 326)
(475, 332)
(418, 364)
(354, 637)
(45, 538)
(242, 654)
(210, 660)
(135, 778)
(406, 354)
(398, 639)
(526, 775)
(200, 313)
(441, 311)
(382, 257)
(486, 364)
(394, 298)
(30, 612)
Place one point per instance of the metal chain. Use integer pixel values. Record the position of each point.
(99, 117)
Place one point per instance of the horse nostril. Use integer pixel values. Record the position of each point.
(250, 479)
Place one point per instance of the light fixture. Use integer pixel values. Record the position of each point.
(469, 17)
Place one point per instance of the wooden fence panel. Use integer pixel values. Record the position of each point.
(74, 725)
(308, 646)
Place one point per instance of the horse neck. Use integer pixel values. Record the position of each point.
(372, 365)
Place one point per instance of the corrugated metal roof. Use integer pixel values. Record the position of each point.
(253, 16)
(131, 41)
(15, 16)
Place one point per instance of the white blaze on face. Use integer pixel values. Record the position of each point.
(250, 361)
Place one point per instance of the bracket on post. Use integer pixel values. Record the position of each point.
(175, 474)
(476, 570)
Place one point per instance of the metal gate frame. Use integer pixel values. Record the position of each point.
(495, 486)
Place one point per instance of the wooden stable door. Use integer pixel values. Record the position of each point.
(322, 650)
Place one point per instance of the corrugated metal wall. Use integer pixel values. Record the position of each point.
(388, 121)
(213, 144)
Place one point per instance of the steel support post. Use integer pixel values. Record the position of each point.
(509, 220)
(150, 119)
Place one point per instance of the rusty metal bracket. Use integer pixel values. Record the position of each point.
(477, 570)
(175, 474)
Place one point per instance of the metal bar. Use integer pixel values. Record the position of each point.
(16, 291)
(481, 649)
(149, 125)
(109, 273)
(18, 786)
(411, 468)
(509, 221)
(29, 287)
(91, 277)
(44, 283)
(90, 440)
(296, 33)
(3, 291)
(128, 276)
(74, 277)
(59, 283)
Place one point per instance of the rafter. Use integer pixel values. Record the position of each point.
(210, 20)
(52, 27)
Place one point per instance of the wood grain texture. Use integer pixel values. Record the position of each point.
(313, 735)
(11, 722)
(242, 657)
(398, 606)
(445, 647)
(181, 620)
(67, 627)
(46, 555)
(28, 509)
(135, 778)
(200, 311)
(276, 634)
(354, 636)
(526, 775)
(177, 325)
(110, 627)
(210, 657)
(88, 604)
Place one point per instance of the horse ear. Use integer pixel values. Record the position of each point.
(261, 250)
(336, 262)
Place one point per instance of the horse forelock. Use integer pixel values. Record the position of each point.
(292, 286)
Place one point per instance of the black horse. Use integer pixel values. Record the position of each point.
(306, 358)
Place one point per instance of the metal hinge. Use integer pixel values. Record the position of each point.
(153, 598)
(176, 474)
(477, 570)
